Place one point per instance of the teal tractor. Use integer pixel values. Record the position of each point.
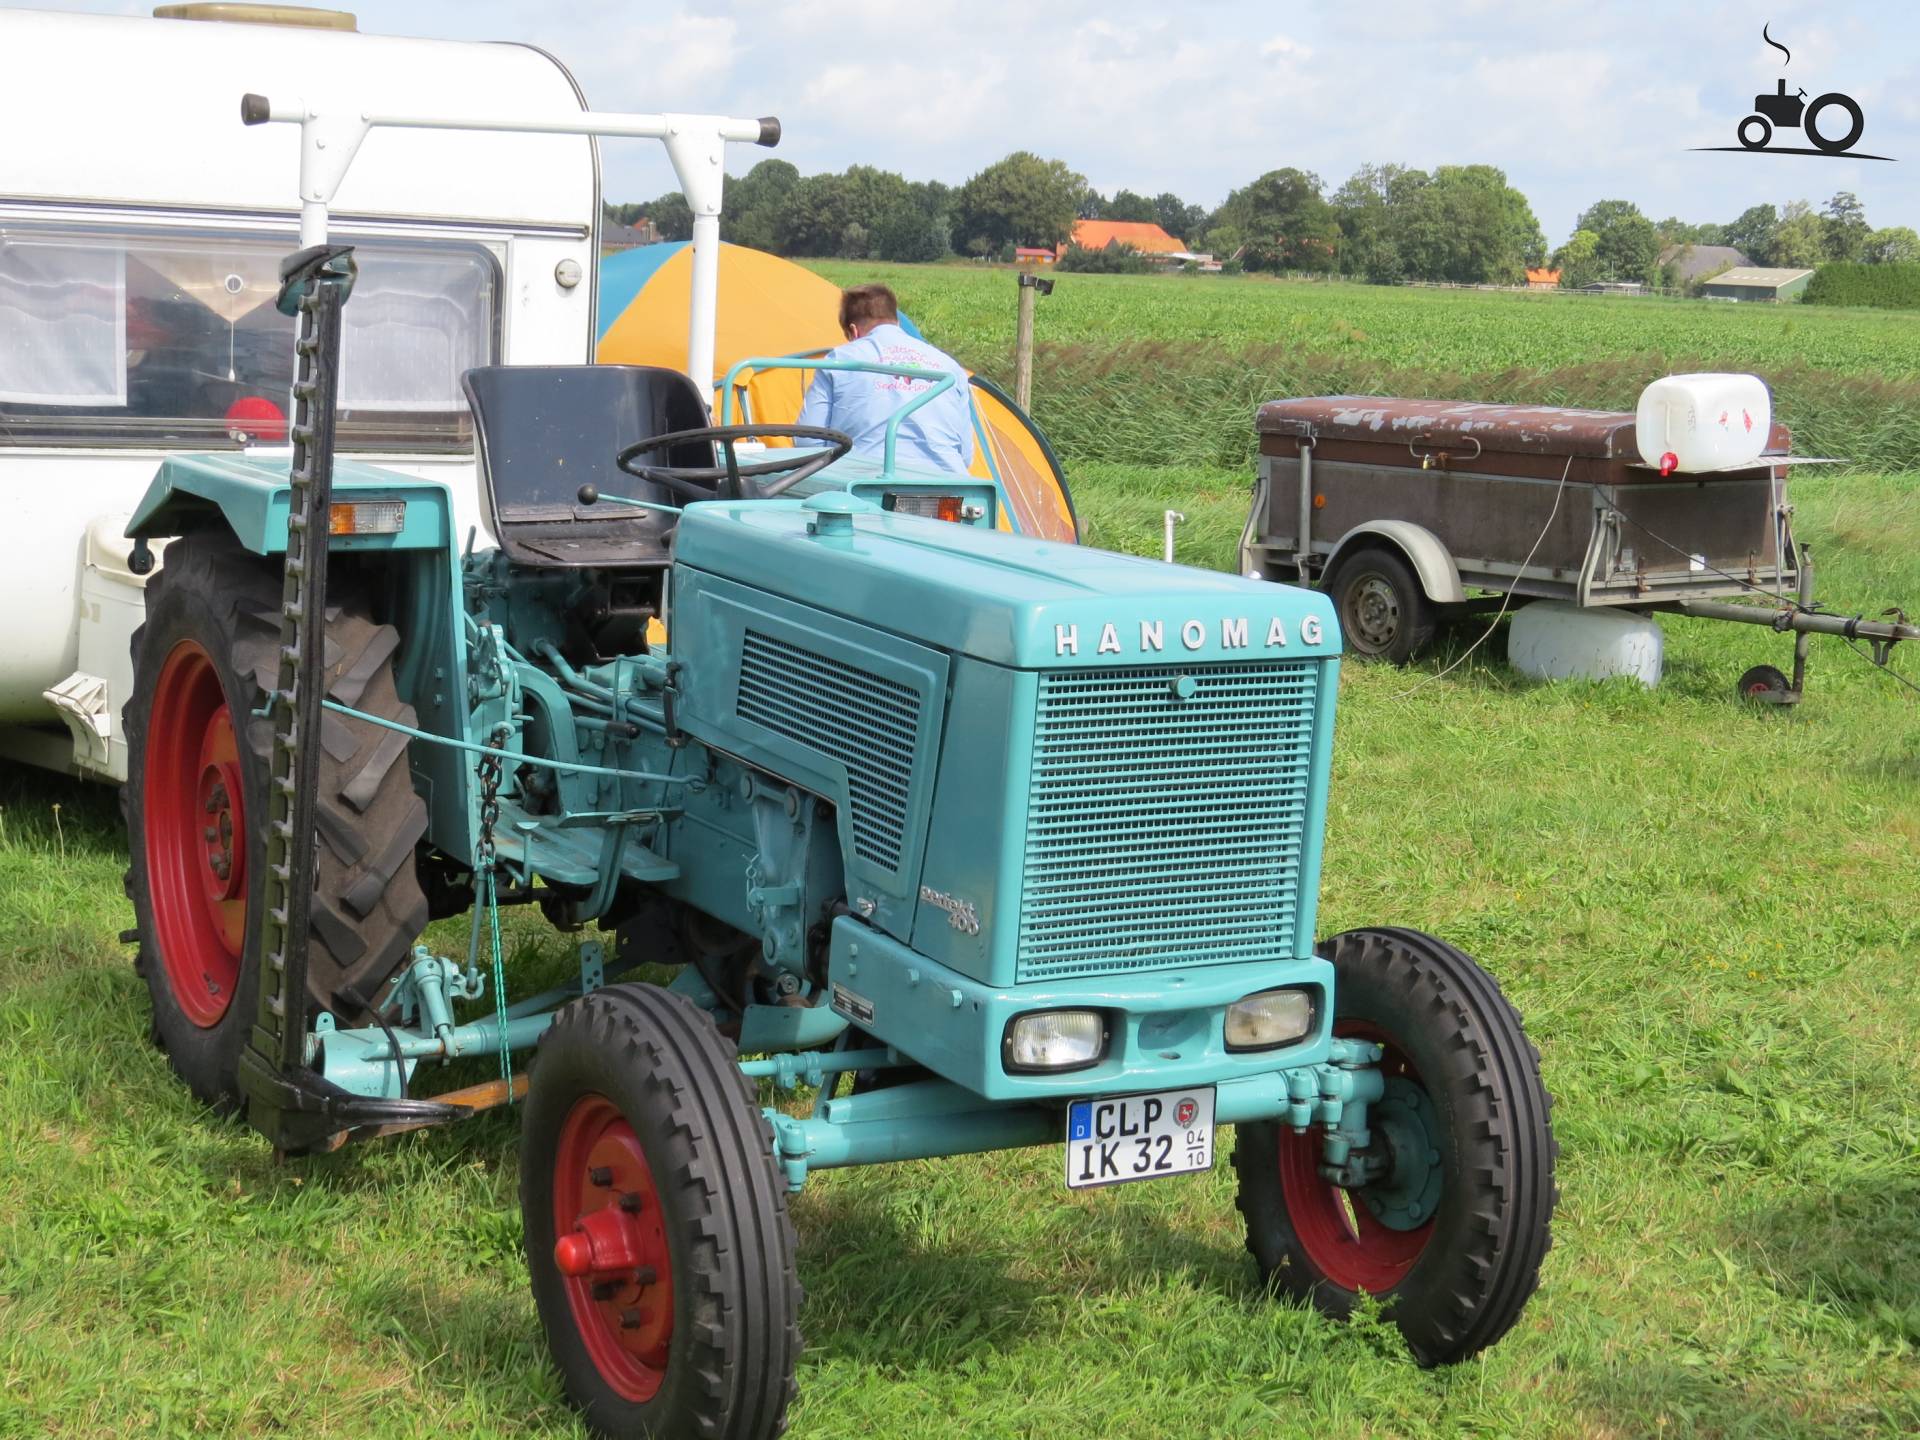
(929, 839)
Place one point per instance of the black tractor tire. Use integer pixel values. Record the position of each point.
(204, 661)
(637, 1113)
(1384, 614)
(1457, 1282)
(1760, 141)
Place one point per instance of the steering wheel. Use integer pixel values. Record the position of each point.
(734, 481)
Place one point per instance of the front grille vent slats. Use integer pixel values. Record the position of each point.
(1166, 832)
(866, 722)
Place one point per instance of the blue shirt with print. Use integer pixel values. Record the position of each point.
(937, 436)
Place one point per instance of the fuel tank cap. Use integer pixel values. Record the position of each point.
(832, 512)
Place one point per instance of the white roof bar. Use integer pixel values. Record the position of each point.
(696, 145)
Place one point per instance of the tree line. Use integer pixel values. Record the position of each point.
(1463, 224)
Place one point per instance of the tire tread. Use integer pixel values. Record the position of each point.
(742, 1338)
(1471, 1284)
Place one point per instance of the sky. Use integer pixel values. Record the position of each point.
(1576, 103)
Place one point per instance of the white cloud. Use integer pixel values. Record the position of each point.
(673, 62)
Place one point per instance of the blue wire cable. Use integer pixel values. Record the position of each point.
(541, 760)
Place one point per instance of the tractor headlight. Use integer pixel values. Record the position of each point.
(1055, 1040)
(1273, 1017)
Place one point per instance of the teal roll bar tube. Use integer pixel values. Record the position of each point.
(943, 382)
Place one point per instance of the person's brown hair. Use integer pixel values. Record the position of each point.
(867, 304)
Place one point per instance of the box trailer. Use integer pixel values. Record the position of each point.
(1408, 512)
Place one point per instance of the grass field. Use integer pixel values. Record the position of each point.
(1164, 370)
(1456, 330)
(1707, 915)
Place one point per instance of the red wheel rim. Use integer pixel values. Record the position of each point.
(1339, 1234)
(196, 835)
(610, 1246)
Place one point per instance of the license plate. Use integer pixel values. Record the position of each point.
(1139, 1137)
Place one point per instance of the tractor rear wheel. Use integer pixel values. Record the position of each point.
(1451, 1232)
(203, 662)
(656, 1223)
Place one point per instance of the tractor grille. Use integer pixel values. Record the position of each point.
(865, 721)
(1161, 831)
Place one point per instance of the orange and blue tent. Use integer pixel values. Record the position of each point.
(772, 307)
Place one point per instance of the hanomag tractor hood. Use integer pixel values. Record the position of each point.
(1005, 599)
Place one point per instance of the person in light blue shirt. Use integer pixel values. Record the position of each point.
(937, 436)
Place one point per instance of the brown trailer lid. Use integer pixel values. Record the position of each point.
(1604, 439)
(1509, 429)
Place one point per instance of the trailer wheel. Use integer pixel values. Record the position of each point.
(197, 807)
(1451, 1234)
(1384, 614)
(661, 1255)
(1760, 683)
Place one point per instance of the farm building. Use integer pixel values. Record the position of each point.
(1149, 239)
(614, 236)
(1034, 255)
(1543, 279)
(1755, 283)
(1700, 262)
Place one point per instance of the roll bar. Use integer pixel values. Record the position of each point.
(943, 381)
(696, 145)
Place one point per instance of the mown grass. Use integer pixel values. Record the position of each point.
(1707, 914)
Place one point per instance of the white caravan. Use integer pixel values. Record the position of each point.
(141, 231)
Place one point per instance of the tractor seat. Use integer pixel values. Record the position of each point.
(546, 430)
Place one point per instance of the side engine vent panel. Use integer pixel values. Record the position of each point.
(864, 721)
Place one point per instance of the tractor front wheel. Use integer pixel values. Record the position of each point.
(1450, 1230)
(656, 1223)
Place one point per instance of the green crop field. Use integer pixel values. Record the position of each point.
(972, 307)
(1710, 917)
(1165, 370)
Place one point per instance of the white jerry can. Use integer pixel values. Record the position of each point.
(1551, 640)
(1694, 423)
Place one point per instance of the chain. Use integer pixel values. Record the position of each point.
(490, 771)
(486, 894)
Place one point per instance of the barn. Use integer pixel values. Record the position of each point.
(1753, 282)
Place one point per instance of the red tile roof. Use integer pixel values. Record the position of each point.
(1543, 277)
(1144, 236)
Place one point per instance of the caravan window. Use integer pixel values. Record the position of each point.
(171, 338)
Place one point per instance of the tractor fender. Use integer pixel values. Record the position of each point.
(251, 497)
(1438, 574)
